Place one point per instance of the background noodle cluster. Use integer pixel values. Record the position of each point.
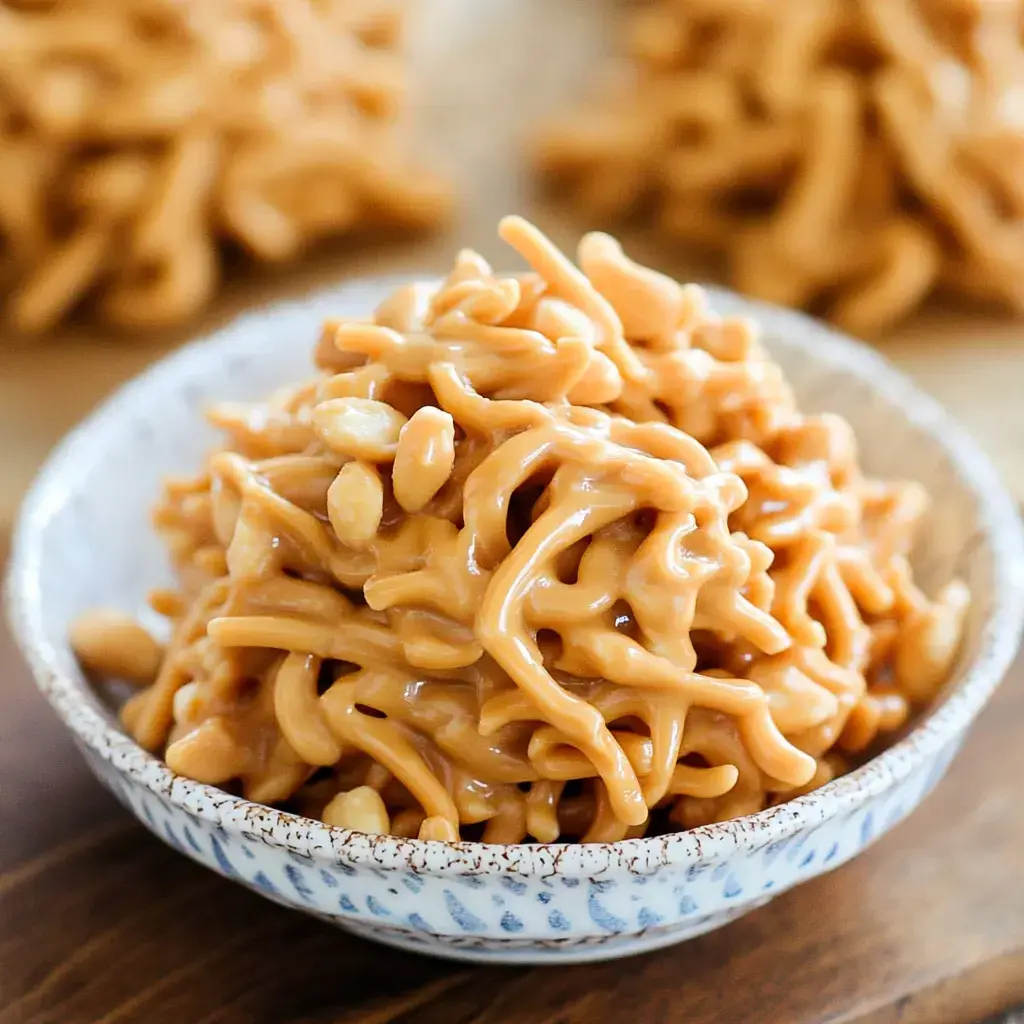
(844, 155)
(140, 139)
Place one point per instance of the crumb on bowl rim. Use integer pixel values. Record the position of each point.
(999, 639)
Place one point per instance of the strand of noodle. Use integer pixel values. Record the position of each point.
(565, 281)
(663, 442)
(666, 726)
(297, 707)
(542, 810)
(863, 581)
(293, 598)
(501, 631)
(474, 412)
(353, 640)
(443, 712)
(150, 715)
(484, 300)
(843, 624)
(509, 824)
(385, 743)
(793, 586)
(703, 783)
(553, 755)
(606, 826)
(650, 305)
(770, 750)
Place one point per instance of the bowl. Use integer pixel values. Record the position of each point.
(84, 539)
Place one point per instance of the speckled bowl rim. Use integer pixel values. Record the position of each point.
(999, 638)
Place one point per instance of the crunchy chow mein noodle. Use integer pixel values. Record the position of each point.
(539, 556)
(845, 155)
(141, 138)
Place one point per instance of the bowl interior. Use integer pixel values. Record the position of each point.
(86, 540)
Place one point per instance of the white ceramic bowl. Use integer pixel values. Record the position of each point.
(84, 539)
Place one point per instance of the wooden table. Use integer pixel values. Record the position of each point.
(100, 922)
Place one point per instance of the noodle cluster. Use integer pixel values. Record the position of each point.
(140, 139)
(540, 556)
(843, 155)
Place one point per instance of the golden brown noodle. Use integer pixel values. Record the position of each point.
(138, 138)
(847, 155)
(448, 588)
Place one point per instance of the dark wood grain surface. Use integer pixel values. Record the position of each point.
(100, 922)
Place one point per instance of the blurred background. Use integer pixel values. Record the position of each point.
(487, 86)
(168, 164)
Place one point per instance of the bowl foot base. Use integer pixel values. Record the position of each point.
(589, 949)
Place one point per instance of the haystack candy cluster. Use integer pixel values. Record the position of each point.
(545, 556)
